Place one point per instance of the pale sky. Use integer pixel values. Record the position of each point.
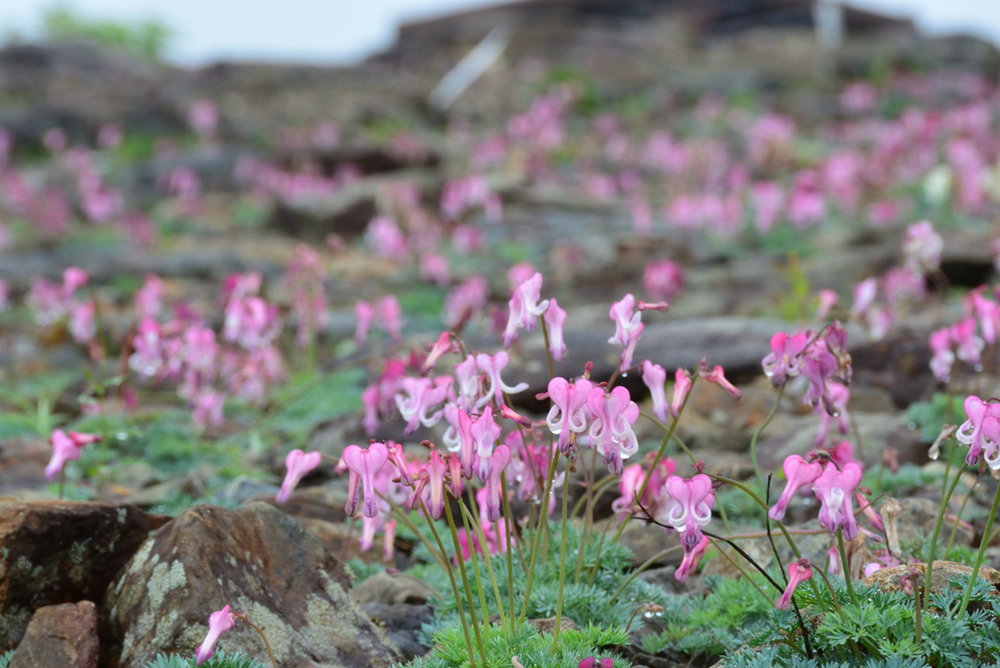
(337, 31)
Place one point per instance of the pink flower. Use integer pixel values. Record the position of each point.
(827, 298)
(819, 366)
(149, 298)
(430, 484)
(390, 316)
(398, 459)
(363, 464)
(591, 662)
(969, 346)
(841, 453)
(786, 353)
(524, 308)
(555, 318)
(203, 117)
(467, 374)
(298, 464)
(988, 314)
(628, 328)
(568, 414)
(435, 269)
(718, 376)
(798, 474)
(662, 280)
(82, 325)
(207, 408)
(655, 377)
(864, 295)
(218, 623)
(980, 432)
(519, 273)
(840, 395)
(370, 401)
(385, 238)
(423, 395)
(498, 462)
(65, 448)
(866, 505)
(682, 386)
(922, 248)
(442, 347)
(147, 358)
(615, 415)
(688, 507)
(798, 572)
(690, 561)
(768, 200)
(492, 366)
(834, 488)
(484, 432)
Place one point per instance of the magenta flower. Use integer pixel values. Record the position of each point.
(840, 395)
(484, 433)
(467, 374)
(430, 484)
(498, 462)
(682, 386)
(968, 345)
(455, 475)
(218, 623)
(864, 295)
(614, 415)
(591, 662)
(819, 366)
(298, 464)
(628, 328)
(869, 511)
(390, 316)
(980, 431)
(798, 474)
(363, 464)
(206, 408)
(149, 298)
(398, 459)
(365, 313)
(691, 559)
(492, 366)
(786, 353)
(441, 347)
(423, 395)
(988, 314)
(943, 358)
(555, 318)
(798, 572)
(827, 299)
(65, 448)
(524, 308)
(834, 488)
(662, 279)
(519, 273)
(82, 324)
(688, 507)
(841, 454)
(718, 376)
(628, 485)
(655, 377)
(370, 402)
(568, 414)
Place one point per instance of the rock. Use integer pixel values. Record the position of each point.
(193, 484)
(548, 624)
(888, 579)
(243, 489)
(22, 464)
(256, 559)
(60, 636)
(62, 552)
(645, 541)
(393, 589)
(401, 623)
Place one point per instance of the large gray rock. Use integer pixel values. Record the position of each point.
(255, 559)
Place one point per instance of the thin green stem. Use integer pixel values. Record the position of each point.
(958, 519)
(979, 556)
(539, 530)
(510, 558)
(946, 494)
(746, 576)
(470, 519)
(760, 430)
(845, 566)
(465, 583)
(562, 573)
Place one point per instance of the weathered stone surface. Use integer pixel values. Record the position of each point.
(60, 636)
(257, 559)
(62, 552)
(645, 540)
(393, 589)
(548, 624)
(888, 579)
(402, 622)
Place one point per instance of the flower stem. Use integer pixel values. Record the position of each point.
(260, 632)
(465, 582)
(539, 530)
(562, 573)
(471, 519)
(979, 557)
(510, 558)
(760, 430)
(846, 566)
(946, 494)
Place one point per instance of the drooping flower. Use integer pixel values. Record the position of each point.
(662, 280)
(569, 404)
(593, 662)
(718, 376)
(682, 386)
(688, 507)
(968, 344)
(365, 314)
(827, 299)
(628, 328)
(614, 415)
(654, 376)
(66, 447)
(555, 318)
(943, 358)
(484, 432)
(798, 572)
(834, 488)
(525, 308)
(218, 623)
(980, 432)
(298, 464)
(819, 366)
(690, 561)
(798, 474)
(441, 347)
(370, 402)
(864, 295)
(422, 396)
(430, 484)
(783, 361)
(840, 395)
(498, 462)
(363, 464)
(492, 366)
